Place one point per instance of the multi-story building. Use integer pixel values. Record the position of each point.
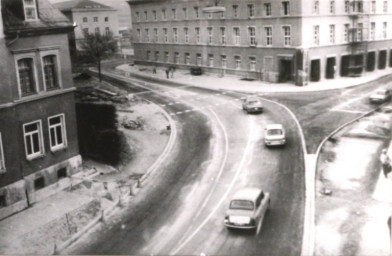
(89, 17)
(38, 136)
(277, 41)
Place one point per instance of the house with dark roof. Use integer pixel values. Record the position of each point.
(89, 17)
(38, 138)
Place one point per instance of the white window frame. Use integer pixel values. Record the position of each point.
(288, 8)
(40, 139)
(223, 61)
(332, 6)
(146, 15)
(156, 37)
(147, 35)
(58, 66)
(63, 130)
(252, 36)
(210, 35)
(166, 57)
(196, 12)
(346, 6)
(332, 33)
(177, 58)
(286, 38)
(95, 19)
(267, 9)
(223, 35)
(18, 57)
(197, 35)
(237, 37)
(185, 12)
(316, 7)
(34, 5)
(156, 56)
(174, 13)
(85, 19)
(252, 63)
(235, 10)
(175, 35)
(251, 10)
(186, 34)
(384, 30)
(268, 36)
(237, 62)
(137, 14)
(164, 15)
(373, 7)
(372, 33)
(199, 59)
(165, 35)
(154, 15)
(346, 32)
(316, 36)
(385, 6)
(359, 32)
(2, 160)
(187, 58)
(211, 60)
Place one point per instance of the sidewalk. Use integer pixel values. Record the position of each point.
(353, 198)
(94, 193)
(234, 83)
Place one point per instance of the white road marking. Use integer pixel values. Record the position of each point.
(348, 111)
(188, 110)
(346, 103)
(170, 104)
(249, 147)
(177, 113)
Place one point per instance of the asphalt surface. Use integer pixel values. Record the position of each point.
(220, 149)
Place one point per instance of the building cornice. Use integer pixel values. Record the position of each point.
(37, 97)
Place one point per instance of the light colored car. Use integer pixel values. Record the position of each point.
(274, 135)
(252, 105)
(380, 96)
(247, 209)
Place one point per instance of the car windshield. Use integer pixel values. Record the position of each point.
(381, 93)
(241, 205)
(275, 132)
(253, 102)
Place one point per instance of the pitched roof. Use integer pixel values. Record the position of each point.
(87, 5)
(49, 17)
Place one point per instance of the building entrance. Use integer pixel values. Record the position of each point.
(315, 70)
(331, 67)
(371, 61)
(285, 70)
(382, 59)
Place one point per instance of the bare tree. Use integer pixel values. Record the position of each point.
(98, 47)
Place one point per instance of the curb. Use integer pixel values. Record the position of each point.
(156, 79)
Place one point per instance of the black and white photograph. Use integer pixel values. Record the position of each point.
(196, 127)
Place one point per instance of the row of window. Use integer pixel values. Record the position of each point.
(34, 141)
(286, 32)
(27, 72)
(196, 14)
(95, 19)
(349, 34)
(97, 30)
(350, 6)
(199, 60)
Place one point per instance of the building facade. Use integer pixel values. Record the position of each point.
(277, 41)
(89, 17)
(38, 136)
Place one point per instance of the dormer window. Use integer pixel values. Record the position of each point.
(30, 10)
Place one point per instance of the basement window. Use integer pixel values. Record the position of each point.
(62, 173)
(2, 201)
(39, 183)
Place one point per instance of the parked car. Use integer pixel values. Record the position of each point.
(380, 96)
(274, 135)
(247, 209)
(252, 105)
(196, 71)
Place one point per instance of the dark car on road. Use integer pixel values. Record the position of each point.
(252, 105)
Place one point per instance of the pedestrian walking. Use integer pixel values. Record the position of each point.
(154, 70)
(172, 69)
(386, 162)
(167, 73)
